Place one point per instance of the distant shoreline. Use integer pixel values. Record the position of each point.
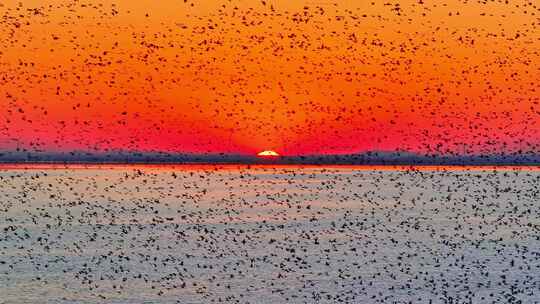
(365, 158)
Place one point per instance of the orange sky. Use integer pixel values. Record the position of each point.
(244, 76)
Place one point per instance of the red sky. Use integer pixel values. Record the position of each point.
(246, 76)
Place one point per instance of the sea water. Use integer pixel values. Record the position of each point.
(269, 234)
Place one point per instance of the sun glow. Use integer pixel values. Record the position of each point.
(268, 153)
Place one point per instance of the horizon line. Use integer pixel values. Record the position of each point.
(270, 162)
(219, 166)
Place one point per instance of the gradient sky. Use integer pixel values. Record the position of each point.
(245, 76)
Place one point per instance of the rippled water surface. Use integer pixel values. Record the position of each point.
(206, 234)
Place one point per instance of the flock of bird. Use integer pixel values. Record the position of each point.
(442, 77)
(269, 235)
(448, 77)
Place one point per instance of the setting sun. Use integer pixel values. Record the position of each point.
(268, 153)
